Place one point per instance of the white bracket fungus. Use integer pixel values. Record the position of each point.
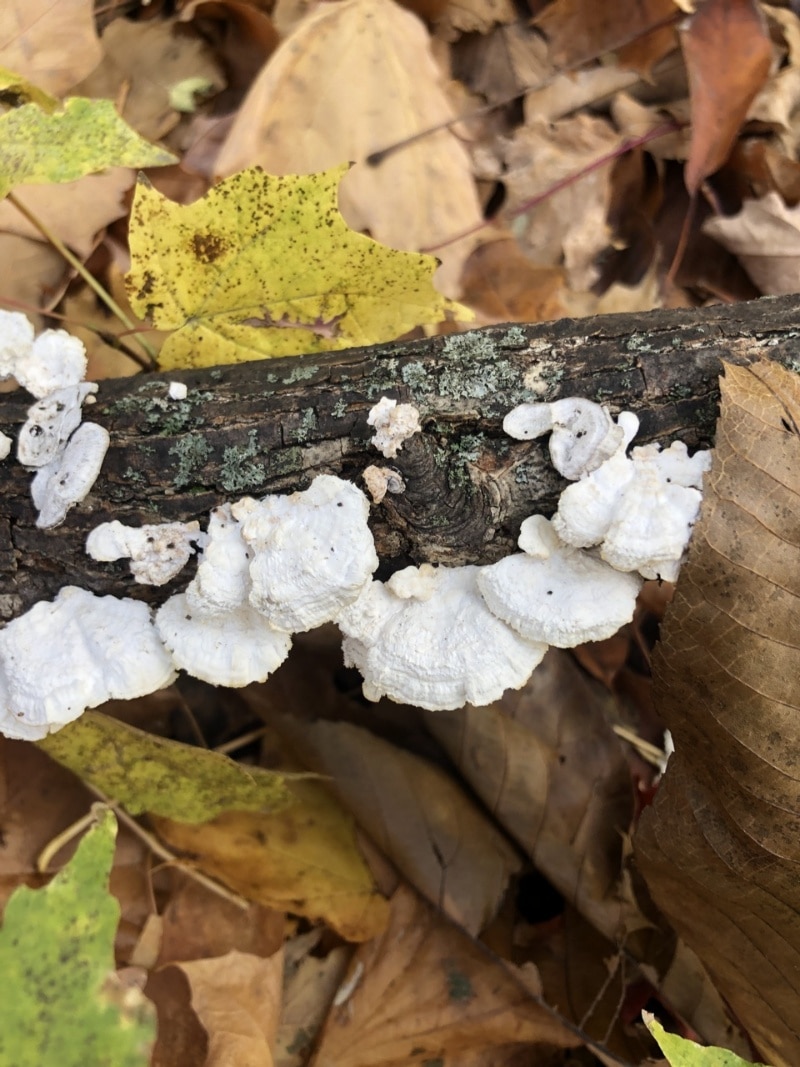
(16, 341)
(69, 478)
(5, 445)
(583, 433)
(50, 423)
(233, 649)
(382, 480)
(439, 652)
(556, 594)
(157, 552)
(313, 552)
(394, 423)
(222, 581)
(79, 651)
(177, 391)
(54, 361)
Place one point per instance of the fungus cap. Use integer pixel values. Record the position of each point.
(586, 508)
(438, 653)
(394, 424)
(583, 433)
(76, 652)
(313, 552)
(556, 594)
(222, 581)
(157, 551)
(55, 360)
(69, 478)
(50, 423)
(231, 649)
(16, 341)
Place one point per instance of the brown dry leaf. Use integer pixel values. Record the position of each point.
(765, 236)
(568, 226)
(473, 16)
(142, 62)
(547, 764)
(310, 983)
(241, 34)
(304, 859)
(237, 999)
(53, 45)
(32, 275)
(580, 30)
(728, 54)
(355, 77)
(424, 991)
(721, 845)
(439, 839)
(502, 285)
(75, 211)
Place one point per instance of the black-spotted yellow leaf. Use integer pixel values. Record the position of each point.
(62, 1005)
(17, 91)
(82, 137)
(153, 774)
(264, 266)
(683, 1053)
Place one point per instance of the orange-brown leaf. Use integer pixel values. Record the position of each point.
(728, 54)
(721, 846)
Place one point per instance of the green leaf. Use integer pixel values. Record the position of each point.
(264, 266)
(83, 137)
(58, 1007)
(145, 773)
(683, 1053)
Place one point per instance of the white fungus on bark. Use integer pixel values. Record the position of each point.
(66, 481)
(312, 551)
(439, 652)
(16, 341)
(382, 480)
(222, 581)
(6, 444)
(556, 594)
(232, 649)
(583, 433)
(177, 391)
(158, 551)
(73, 653)
(54, 361)
(394, 423)
(50, 423)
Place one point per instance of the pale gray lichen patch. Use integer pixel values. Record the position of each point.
(416, 376)
(339, 409)
(238, 471)
(300, 374)
(477, 379)
(308, 422)
(191, 452)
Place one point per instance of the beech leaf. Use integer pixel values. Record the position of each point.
(265, 266)
(720, 845)
(683, 1053)
(59, 146)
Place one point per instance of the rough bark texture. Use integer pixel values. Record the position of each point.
(272, 426)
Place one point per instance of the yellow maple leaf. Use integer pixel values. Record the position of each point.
(264, 266)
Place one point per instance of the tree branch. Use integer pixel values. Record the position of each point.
(271, 426)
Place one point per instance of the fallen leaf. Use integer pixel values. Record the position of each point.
(639, 34)
(415, 813)
(310, 983)
(53, 45)
(683, 1053)
(424, 992)
(304, 860)
(142, 62)
(84, 136)
(765, 236)
(265, 266)
(59, 1007)
(375, 52)
(719, 847)
(146, 773)
(728, 54)
(502, 285)
(237, 999)
(473, 16)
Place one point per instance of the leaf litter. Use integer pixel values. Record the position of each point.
(466, 812)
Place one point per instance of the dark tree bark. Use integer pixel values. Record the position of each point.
(271, 426)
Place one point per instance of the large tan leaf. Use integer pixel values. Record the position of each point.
(353, 78)
(53, 44)
(424, 992)
(721, 846)
(417, 814)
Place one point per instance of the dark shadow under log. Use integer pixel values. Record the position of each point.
(271, 426)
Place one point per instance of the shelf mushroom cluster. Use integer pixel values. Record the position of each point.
(434, 637)
(65, 454)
